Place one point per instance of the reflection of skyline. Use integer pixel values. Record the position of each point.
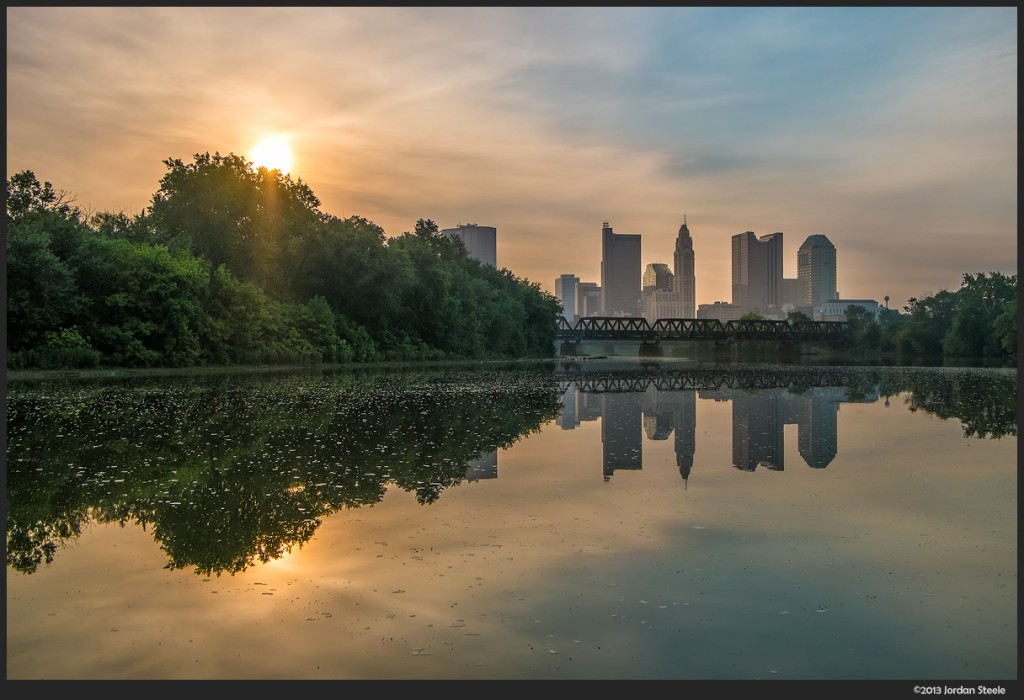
(758, 423)
(673, 412)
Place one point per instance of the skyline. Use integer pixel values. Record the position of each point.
(892, 131)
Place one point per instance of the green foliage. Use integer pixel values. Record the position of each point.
(981, 301)
(978, 320)
(1004, 328)
(144, 302)
(251, 220)
(236, 265)
(42, 294)
(866, 332)
(26, 196)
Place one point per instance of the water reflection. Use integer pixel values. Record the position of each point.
(226, 473)
(758, 421)
(634, 404)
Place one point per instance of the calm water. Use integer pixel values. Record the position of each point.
(566, 521)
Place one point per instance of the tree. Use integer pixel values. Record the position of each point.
(42, 293)
(26, 196)
(145, 302)
(866, 332)
(929, 318)
(250, 220)
(980, 301)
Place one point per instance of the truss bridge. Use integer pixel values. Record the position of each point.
(638, 329)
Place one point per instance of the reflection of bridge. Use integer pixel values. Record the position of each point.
(635, 328)
(689, 380)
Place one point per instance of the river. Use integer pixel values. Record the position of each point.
(564, 520)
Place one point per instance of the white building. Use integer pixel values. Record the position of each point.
(835, 310)
(481, 241)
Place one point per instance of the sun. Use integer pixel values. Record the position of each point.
(272, 153)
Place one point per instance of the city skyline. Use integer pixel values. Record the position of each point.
(890, 130)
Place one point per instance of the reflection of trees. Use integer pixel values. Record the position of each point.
(984, 401)
(229, 472)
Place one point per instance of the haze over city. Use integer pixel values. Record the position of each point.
(891, 130)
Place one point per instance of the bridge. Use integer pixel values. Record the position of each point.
(650, 336)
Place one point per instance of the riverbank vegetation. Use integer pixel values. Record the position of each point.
(977, 321)
(233, 265)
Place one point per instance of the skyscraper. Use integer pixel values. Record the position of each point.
(756, 271)
(620, 272)
(685, 281)
(566, 289)
(481, 241)
(816, 270)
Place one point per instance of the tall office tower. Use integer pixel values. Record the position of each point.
(686, 282)
(588, 299)
(566, 289)
(756, 271)
(481, 241)
(816, 270)
(620, 272)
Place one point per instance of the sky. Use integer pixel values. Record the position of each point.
(890, 130)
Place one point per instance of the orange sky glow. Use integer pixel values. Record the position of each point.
(893, 131)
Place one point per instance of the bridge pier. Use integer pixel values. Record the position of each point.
(571, 348)
(650, 348)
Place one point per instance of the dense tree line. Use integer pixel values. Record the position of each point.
(230, 264)
(979, 320)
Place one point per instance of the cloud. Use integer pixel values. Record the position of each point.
(853, 122)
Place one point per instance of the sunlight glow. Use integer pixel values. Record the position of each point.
(272, 153)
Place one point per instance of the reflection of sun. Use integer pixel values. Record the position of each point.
(272, 153)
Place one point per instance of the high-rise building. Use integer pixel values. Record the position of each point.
(566, 290)
(685, 281)
(659, 298)
(588, 299)
(816, 270)
(481, 241)
(620, 272)
(756, 271)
